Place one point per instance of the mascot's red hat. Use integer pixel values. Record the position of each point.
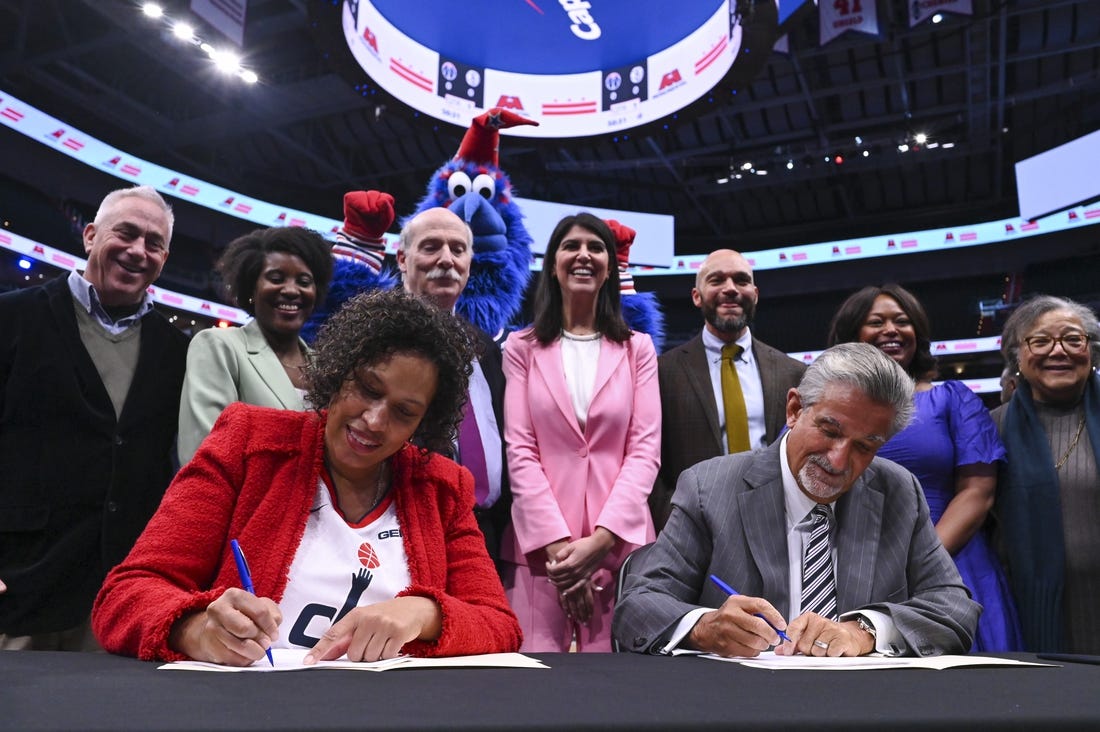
(624, 238)
(367, 216)
(482, 140)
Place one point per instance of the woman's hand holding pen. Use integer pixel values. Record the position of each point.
(739, 628)
(234, 630)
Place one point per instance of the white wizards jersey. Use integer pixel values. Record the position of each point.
(340, 566)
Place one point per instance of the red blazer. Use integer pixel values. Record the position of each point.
(254, 479)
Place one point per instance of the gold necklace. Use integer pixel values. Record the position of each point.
(381, 485)
(1076, 439)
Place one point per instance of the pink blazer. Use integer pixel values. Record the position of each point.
(566, 482)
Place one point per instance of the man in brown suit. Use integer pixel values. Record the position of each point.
(693, 417)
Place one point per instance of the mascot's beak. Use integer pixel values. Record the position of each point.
(490, 231)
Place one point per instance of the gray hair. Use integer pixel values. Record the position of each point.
(404, 239)
(1023, 319)
(866, 368)
(147, 193)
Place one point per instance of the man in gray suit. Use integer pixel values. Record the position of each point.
(746, 519)
(692, 413)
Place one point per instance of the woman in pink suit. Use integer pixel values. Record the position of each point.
(583, 434)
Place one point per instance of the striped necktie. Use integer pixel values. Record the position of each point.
(818, 583)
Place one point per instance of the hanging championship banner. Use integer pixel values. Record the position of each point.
(921, 10)
(837, 16)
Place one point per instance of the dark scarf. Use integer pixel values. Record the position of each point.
(1030, 512)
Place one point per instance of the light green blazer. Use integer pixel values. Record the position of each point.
(226, 365)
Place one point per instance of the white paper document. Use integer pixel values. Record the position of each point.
(290, 659)
(769, 660)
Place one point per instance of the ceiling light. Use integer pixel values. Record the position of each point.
(932, 145)
(948, 145)
(183, 31)
(903, 147)
(226, 61)
(919, 138)
(790, 165)
(866, 153)
(722, 181)
(859, 140)
(937, 18)
(152, 10)
(249, 77)
(761, 172)
(746, 166)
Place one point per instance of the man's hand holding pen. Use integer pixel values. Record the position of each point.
(739, 628)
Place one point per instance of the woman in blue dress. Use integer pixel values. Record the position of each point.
(951, 446)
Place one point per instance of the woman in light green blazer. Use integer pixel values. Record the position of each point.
(278, 276)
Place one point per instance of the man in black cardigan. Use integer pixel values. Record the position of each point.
(90, 379)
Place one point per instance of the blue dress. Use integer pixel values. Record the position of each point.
(951, 428)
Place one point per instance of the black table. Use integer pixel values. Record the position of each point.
(69, 691)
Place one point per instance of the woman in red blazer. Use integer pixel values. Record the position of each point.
(583, 433)
(358, 542)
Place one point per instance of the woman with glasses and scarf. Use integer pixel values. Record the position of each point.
(1048, 501)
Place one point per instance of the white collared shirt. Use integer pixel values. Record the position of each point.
(751, 387)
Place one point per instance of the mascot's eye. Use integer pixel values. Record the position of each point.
(485, 186)
(459, 184)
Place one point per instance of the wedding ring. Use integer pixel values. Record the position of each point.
(823, 646)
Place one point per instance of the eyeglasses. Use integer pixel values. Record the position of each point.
(1073, 343)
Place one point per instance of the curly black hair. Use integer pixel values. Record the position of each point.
(372, 327)
(852, 313)
(243, 260)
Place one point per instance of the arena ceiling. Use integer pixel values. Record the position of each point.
(1014, 79)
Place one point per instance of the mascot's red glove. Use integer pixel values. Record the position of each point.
(624, 238)
(367, 216)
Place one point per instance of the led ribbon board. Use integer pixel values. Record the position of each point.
(579, 67)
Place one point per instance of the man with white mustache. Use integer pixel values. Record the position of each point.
(90, 379)
(869, 574)
(693, 407)
(434, 257)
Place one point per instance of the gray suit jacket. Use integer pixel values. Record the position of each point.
(689, 414)
(728, 518)
(226, 365)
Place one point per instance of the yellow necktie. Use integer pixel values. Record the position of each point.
(737, 416)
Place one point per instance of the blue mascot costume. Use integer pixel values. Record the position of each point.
(473, 186)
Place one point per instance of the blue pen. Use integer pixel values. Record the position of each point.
(730, 591)
(246, 578)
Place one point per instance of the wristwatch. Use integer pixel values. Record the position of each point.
(865, 625)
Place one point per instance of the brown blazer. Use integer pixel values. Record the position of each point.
(690, 432)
